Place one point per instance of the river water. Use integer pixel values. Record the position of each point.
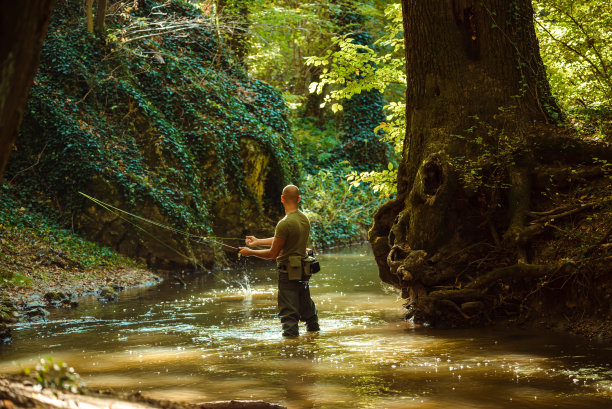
(217, 337)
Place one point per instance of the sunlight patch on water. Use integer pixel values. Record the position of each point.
(241, 294)
(151, 380)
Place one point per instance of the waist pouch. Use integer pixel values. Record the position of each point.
(294, 268)
(311, 265)
(301, 268)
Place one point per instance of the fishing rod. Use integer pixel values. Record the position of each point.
(191, 236)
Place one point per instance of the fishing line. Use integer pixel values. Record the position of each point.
(190, 236)
(149, 234)
(200, 239)
(108, 207)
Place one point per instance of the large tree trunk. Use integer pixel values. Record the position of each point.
(23, 26)
(477, 95)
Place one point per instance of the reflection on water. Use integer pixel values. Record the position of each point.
(218, 338)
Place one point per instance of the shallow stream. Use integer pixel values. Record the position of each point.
(217, 337)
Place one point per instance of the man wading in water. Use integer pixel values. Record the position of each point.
(288, 247)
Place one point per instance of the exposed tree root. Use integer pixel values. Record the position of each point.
(539, 226)
(474, 299)
(557, 209)
(562, 178)
(446, 252)
(459, 295)
(510, 273)
(576, 209)
(450, 304)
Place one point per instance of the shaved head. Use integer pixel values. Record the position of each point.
(291, 193)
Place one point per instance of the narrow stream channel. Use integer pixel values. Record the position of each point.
(218, 338)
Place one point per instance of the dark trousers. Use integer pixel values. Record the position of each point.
(294, 305)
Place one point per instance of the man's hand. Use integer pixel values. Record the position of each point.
(251, 241)
(276, 246)
(245, 251)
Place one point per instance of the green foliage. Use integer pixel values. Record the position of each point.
(352, 69)
(363, 110)
(394, 127)
(316, 143)
(339, 211)
(383, 182)
(361, 145)
(57, 374)
(158, 111)
(282, 35)
(339, 208)
(576, 46)
(359, 67)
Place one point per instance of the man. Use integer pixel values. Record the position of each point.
(288, 245)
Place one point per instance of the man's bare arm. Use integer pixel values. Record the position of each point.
(271, 253)
(254, 241)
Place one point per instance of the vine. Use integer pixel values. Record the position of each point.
(149, 111)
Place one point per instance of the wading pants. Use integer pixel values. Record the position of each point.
(294, 305)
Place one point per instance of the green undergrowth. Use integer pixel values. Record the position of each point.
(33, 245)
(51, 373)
(339, 211)
(317, 143)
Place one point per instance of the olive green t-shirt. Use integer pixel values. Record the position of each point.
(295, 229)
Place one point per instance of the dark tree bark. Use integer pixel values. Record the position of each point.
(477, 95)
(23, 26)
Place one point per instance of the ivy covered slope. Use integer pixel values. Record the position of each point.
(156, 120)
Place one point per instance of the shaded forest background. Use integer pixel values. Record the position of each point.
(195, 114)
